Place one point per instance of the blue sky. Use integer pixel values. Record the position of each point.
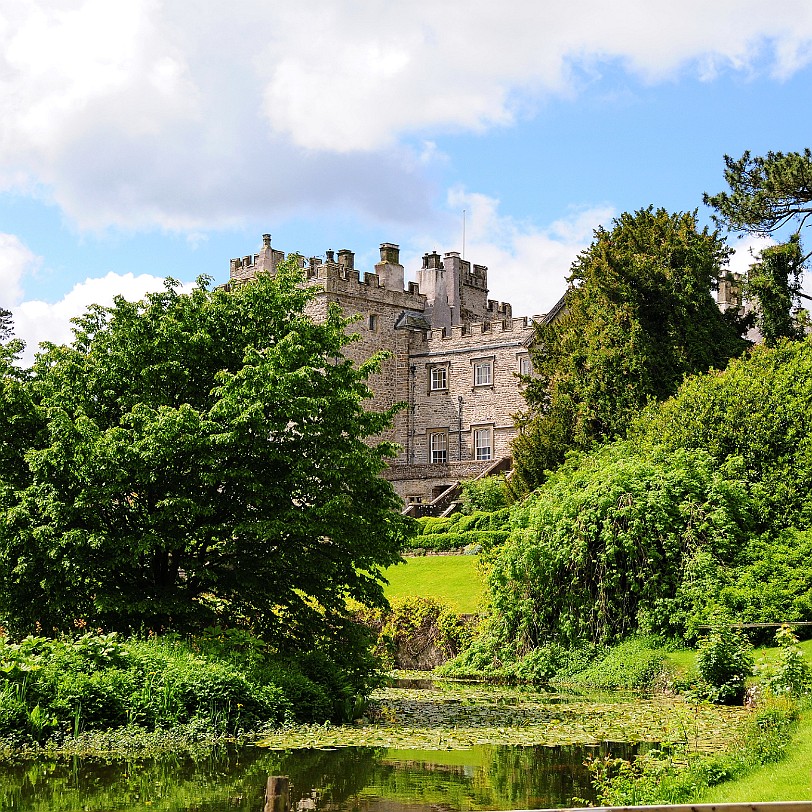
(145, 138)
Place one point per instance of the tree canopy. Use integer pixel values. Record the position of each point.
(704, 505)
(766, 194)
(5, 324)
(197, 458)
(638, 317)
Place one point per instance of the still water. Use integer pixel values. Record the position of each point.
(347, 779)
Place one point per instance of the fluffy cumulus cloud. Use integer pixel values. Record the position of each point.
(189, 116)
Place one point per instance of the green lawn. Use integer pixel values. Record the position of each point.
(453, 579)
(789, 780)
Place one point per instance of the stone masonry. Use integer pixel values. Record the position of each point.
(455, 358)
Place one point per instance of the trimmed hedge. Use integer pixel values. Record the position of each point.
(460, 530)
(444, 542)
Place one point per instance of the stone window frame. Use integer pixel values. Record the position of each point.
(445, 368)
(373, 322)
(442, 446)
(523, 358)
(479, 363)
(475, 448)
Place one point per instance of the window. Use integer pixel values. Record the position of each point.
(482, 444)
(438, 446)
(373, 323)
(525, 367)
(439, 378)
(483, 373)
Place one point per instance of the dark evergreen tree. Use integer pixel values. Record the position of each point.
(769, 195)
(638, 317)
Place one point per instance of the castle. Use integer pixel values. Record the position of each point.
(455, 358)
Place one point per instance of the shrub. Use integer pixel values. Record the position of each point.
(445, 542)
(724, 661)
(486, 494)
(634, 664)
(99, 682)
(791, 674)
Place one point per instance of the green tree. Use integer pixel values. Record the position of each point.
(767, 196)
(601, 549)
(201, 458)
(766, 193)
(759, 408)
(638, 317)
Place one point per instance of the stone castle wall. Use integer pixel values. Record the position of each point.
(454, 357)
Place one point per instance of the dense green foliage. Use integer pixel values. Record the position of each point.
(192, 459)
(602, 548)
(486, 494)
(220, 683)
(760, 410)
(638, 663)
(481, 528)
(637, 318)
(791, 673)
(724, 662)
(699, 509)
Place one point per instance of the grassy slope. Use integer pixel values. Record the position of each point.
(453, 579)
(789, 780)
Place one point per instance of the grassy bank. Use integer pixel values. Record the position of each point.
(454, 580)
(787, 780)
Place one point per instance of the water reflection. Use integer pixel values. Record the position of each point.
(349, 779)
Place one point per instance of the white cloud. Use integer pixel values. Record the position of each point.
(527, 263)
(16, 260)
(37, 321)
(188, 116)
(746, 251)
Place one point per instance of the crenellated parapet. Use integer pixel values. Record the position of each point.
(515, 330)
(266, 261)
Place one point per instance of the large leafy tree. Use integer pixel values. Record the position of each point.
(770, 195)
(638, 316)
(200, 458)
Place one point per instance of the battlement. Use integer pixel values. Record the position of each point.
(474, 332)
(244, 268)
(450, 290)
(501, 310)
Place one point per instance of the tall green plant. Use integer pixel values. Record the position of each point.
(724, 661)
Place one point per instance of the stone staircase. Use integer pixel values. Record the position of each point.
(449, 500)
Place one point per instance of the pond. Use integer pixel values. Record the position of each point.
(422, 747)
(347, 779)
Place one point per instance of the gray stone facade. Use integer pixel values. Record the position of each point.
(456, 358)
